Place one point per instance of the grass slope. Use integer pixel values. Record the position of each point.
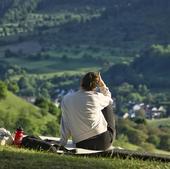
(128, 146)
(115, 30)
(13, 158)
(15, 104)
(12, 108)
(159, 122)
(112, 30)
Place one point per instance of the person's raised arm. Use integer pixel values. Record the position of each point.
(102, 86)
(101, 83)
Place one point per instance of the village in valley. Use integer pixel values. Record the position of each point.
(144, 110)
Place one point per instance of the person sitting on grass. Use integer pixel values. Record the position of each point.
(87, 115)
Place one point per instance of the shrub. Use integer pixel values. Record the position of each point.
(42, 103)
(13, 86)
(142, 128)
(140, 120)
(147, 147)
(165, 142)
(123, 125)
(52, 128)
(3, 90)
(136, 136)
(53, 109)
(154, 139)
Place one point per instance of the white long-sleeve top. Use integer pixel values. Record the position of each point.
(81, 114)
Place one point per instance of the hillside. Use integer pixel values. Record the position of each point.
(68, 38)
(120, 28)
(159, 122)
(151, 67)
(46, 46)
(15, 112)
(41, 36)
(128, 25)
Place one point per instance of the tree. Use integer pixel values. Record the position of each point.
(143, 90)
(154, 139)
(23, 83)
(13, 86)
(53, 109)
(136, 136)
(42, 103)
(135, 97)
(165, 142)
(3, 90)
(125, 89)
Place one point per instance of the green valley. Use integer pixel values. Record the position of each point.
(46, 47)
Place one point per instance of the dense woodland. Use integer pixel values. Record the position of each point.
(46, 46)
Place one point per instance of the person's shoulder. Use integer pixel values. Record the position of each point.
(100, 95)
(70, 94)
(94, 94)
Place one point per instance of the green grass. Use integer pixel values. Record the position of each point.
(13, 158)
(125, 145)
(13, 107)
(54, 65)
(15, 104)
(129, 146)
(49, 75)
(158, 122)
(157, 151)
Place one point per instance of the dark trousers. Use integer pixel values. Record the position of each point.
(104, 140)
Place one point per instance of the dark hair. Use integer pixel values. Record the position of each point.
(89, 81)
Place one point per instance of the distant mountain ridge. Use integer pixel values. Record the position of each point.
(106, 28)
(119, 21)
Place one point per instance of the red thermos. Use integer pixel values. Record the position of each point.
(19, 133)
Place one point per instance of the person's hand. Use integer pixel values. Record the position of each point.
(101, 82)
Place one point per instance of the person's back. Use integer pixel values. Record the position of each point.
(82, 117)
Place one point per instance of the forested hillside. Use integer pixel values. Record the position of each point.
(151, 67)
(116, 37)
(107, 22)
(46, 46)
